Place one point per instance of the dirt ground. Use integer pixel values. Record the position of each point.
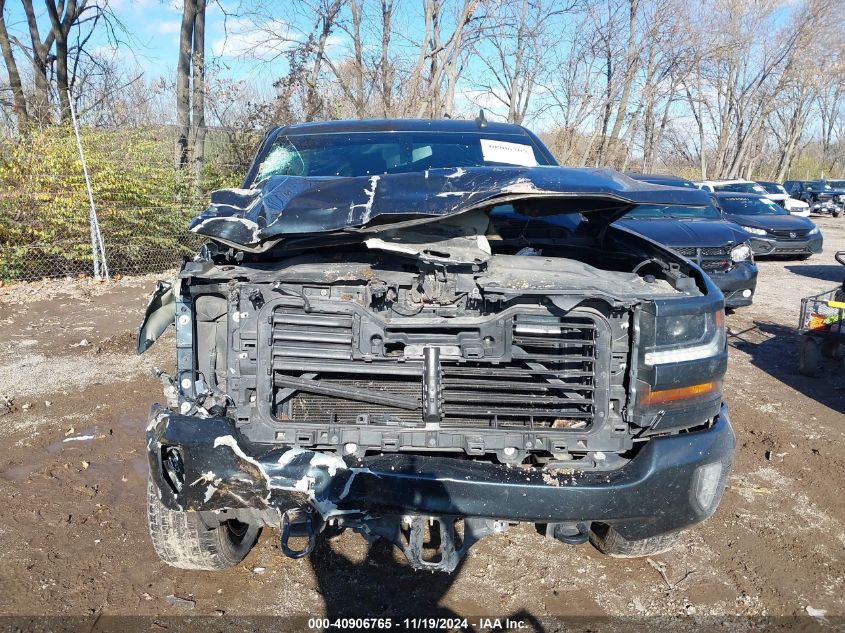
(73, 533)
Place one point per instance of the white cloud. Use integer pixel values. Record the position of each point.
(139, 5)
(267, 41)
(166, 27)
(260, 42)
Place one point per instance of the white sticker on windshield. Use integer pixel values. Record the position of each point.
(508, 153)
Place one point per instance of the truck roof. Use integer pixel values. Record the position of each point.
(402, 125)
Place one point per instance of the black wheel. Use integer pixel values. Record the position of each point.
(809, 356)
(182, 540)
(608, 541)
(835, 213)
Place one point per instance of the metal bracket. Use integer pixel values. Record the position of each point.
(298, 524)
(410, 542)
(431, 388)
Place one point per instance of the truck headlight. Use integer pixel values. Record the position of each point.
(741, 253)
(687, 337)
(814, 231)
(754, 231)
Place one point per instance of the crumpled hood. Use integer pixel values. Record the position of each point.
(677, 233)
(281, 206)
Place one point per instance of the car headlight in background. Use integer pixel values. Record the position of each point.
(687, 337)
(754, 231)
(741, 253)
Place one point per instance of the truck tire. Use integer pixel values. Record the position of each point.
(182, 540)
(608, 541)
(809, 356)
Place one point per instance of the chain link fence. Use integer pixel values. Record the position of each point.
(135, 256)
(143, 201)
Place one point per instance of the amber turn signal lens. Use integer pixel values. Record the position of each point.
(649, 397)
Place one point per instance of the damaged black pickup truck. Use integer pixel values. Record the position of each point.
(427, 331)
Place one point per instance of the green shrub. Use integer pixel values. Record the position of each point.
(143, 202)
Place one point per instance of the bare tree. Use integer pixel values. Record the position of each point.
(39, 56)
(190, 88)
(15, 83)
(198, 92)
(632, 59)
(351, 74)
(517, 52)
(432, 93)
(63, 16)
(386, 69)
(626, 83)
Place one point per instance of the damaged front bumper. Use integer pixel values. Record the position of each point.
(204, 464)
(737, 284)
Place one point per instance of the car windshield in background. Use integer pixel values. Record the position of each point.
(741, 187)
(740, 205)
(670, 183)
(365, 154)
(773, 187)
(828, 185)
(671, 212)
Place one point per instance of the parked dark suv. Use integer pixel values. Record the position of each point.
(720, 247)
(425, 331)
(822, 198)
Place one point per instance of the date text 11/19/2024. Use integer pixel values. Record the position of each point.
(418, 624)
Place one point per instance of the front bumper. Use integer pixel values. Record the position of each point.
(772, 246)
(796, 207)
(653, 493)
(737, 284)
(828, 207)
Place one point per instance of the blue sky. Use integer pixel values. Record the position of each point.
(232, 43)
(153, 34)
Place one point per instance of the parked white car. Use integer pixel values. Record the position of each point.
(781, 197)
(736, 186)
(777, 192)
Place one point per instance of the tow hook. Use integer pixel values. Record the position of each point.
(298, 523)
(570, 533)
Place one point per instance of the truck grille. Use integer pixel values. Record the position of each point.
(546, 381)
(549, 382)
(710, 258)
(317, 336)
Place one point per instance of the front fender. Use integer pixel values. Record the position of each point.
(160, 312)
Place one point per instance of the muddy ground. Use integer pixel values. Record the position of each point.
(73, 533)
